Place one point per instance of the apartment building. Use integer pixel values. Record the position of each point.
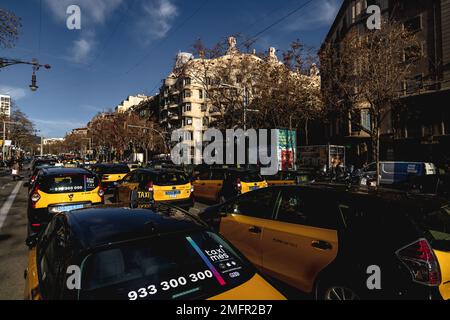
(130, 102)
(188, 96)
(420, 128)
(5, 105)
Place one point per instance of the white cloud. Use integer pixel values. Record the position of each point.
(16, 93)
(158, 19)
(321, 13)
(81, 49)
(92, 11)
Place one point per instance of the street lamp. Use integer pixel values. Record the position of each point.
(33, 85)
(5, 62)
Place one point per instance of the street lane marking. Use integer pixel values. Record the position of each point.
(8, 204)
(3, 188)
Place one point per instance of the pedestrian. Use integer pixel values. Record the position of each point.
(15, 170)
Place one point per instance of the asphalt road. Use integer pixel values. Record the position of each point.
(13, 232)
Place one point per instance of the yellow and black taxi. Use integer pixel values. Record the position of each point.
(221, 184)
(157, 253)
(328, 241)
(144, 186)
(283, 178)
(61, 189)
(110, 174)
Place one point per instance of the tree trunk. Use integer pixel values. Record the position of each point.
(306, 132)
(376, 150)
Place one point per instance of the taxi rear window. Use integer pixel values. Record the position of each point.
(111, 169)
(68, 183)
(171, 178)
(250, 177)
(436, 223)
(194, 266)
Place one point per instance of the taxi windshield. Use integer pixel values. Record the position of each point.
(195, 266)
(68, 183)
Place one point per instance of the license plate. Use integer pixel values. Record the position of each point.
(254, 188)
(173, 193)
(67, 208)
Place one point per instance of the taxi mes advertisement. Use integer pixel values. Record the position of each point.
(215, 267)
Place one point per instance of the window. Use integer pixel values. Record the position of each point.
(217, 175)
(366, 122)
(258, 204)
(117, 273)
(200, 94)
(51, 259)
(414, 24)
(186, 94)
(204, 175)
(187, 107)
(203, 108)
(187, 121)
(187, 81)
(307, 208)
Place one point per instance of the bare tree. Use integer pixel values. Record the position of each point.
(364, 71)
(9, 28)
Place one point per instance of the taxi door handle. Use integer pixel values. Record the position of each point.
(255, 230)
(321, 245)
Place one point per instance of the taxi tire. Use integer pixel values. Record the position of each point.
(327, 290)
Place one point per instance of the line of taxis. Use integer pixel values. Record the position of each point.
(318, 239)
(116, 252)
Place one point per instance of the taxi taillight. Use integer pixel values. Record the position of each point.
(101, 192)
(238, 185)
(421, 261)
(35, 196)
(150, 186)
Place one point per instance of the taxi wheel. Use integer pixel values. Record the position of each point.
(339, 292)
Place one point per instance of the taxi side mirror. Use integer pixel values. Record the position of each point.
(32, 240)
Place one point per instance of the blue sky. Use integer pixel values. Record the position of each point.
(126, 47)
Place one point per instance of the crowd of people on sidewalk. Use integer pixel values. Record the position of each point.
(14, 165)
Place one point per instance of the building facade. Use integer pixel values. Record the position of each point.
(5, 105)
(419, 129)
(130, 102)
(192, 97)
